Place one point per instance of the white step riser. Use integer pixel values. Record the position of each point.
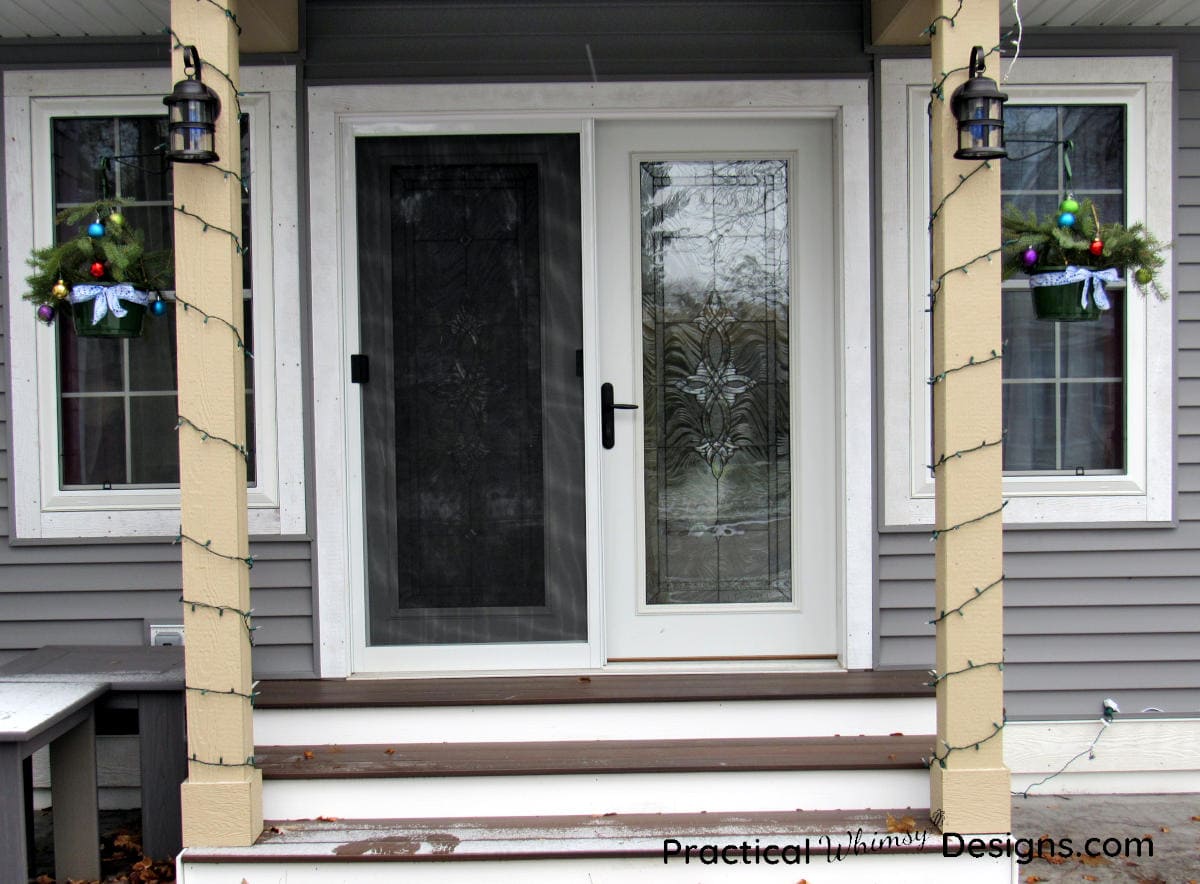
(569, 794)
(928, 868)
(594, 721)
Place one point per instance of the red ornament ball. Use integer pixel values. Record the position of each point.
(97, 269)
(1096, 247)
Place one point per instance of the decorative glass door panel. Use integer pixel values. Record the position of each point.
(472, 407)
(716, 317)
(715, 292)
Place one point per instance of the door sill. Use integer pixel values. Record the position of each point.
(648, 667)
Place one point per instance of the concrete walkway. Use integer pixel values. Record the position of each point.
(1171, 821)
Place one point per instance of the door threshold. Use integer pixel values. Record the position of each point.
(627, 667)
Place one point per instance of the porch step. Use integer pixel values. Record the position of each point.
(601, 706)
(579, 777)
(844, 846)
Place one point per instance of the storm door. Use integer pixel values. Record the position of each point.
(717, 295)
(472, 395)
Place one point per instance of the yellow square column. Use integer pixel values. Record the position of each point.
(222, 797)
(969, 785)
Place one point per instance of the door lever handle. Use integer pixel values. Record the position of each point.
(607, 407)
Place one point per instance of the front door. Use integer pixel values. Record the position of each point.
(472, 399)
(717, 294)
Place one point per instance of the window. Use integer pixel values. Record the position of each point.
(101, 456)
(1087, 406)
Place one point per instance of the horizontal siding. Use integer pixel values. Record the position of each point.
(105, 593)
(385, 41)
(1103, 612)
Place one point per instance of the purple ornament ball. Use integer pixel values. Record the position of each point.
(45, 313)
(1030, 257)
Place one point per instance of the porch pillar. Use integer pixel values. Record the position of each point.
(969, 784)
(222, 796)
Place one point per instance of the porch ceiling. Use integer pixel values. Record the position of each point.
(267, 25)
(899, 22)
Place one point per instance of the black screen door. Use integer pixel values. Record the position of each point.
(470, 298)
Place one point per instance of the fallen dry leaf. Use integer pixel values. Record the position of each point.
(1033, 879)
(308, 755)
(896, 734)
(1196, 818)
(389, 751)
(1090, 878)
(1095, 861)
(904, 824)
(327, 819)
(1164, 828)
(891, 756)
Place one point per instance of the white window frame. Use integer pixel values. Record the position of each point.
(1144, 493)
(42, 509)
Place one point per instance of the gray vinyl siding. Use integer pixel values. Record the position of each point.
(105, 592)
(1100, 612)
(512, 40)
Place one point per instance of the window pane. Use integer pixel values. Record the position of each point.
(93, 441)
(1096, 349)
(1098, 133)
(1029, 351)
(154, 446)
(1029, 427)
(152, 356)
(1093, 421)
(80, 144)
(1033, 166)
(141, 170)
(89, 365)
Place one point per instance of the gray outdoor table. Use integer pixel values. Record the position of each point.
(152, 679)
(33, 714)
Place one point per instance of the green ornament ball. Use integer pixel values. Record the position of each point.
(1070, 204)
(1143, 276)
(116, 219)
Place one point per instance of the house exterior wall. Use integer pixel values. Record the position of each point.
(1094, 612)
(1091, 612)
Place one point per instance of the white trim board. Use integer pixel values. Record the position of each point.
(1145, 492)
(338, 114)
(1130, 756)
(40, 509)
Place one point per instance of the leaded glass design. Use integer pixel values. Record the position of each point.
(715, 299)
(1064, 383)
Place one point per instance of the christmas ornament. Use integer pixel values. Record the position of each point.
(1097, 247)
(1030, 257)
(116, 219)
(45, 313)
(1066, 219)
(158, 307)
(1143, 276)
(97, 269)
(1070, 204)
(59, 290)
(96, 229)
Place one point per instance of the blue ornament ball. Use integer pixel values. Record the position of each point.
(1066, 219)
(159, 307)
(96, 229)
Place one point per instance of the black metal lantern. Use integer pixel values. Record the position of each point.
(979, 107)
(192, 109)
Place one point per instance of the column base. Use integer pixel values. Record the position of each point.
(972, 800)
(222, 814)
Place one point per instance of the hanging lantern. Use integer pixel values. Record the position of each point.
(192, 109)
(979, 107)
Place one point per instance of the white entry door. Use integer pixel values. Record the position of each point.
(717, 292)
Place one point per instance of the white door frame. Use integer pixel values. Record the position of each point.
(339, 114)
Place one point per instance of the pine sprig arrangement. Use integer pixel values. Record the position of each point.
(122, 250)
(1132, 249)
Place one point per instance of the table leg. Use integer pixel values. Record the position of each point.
(164, 768)
(14, 859)
(73, 796)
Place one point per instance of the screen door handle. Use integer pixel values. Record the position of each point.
(607, 407)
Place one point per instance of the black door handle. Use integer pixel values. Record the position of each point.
(607, 407)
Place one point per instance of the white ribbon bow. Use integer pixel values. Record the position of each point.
(108, 297)
(1093, 283)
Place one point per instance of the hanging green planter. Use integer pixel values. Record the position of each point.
(1064, 302)
(108, 311)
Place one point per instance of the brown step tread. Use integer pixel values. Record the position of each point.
(581, 756)
(575, 837)
(597, 688)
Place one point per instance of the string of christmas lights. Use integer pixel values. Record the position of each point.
(237, 335)
(237, 93)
